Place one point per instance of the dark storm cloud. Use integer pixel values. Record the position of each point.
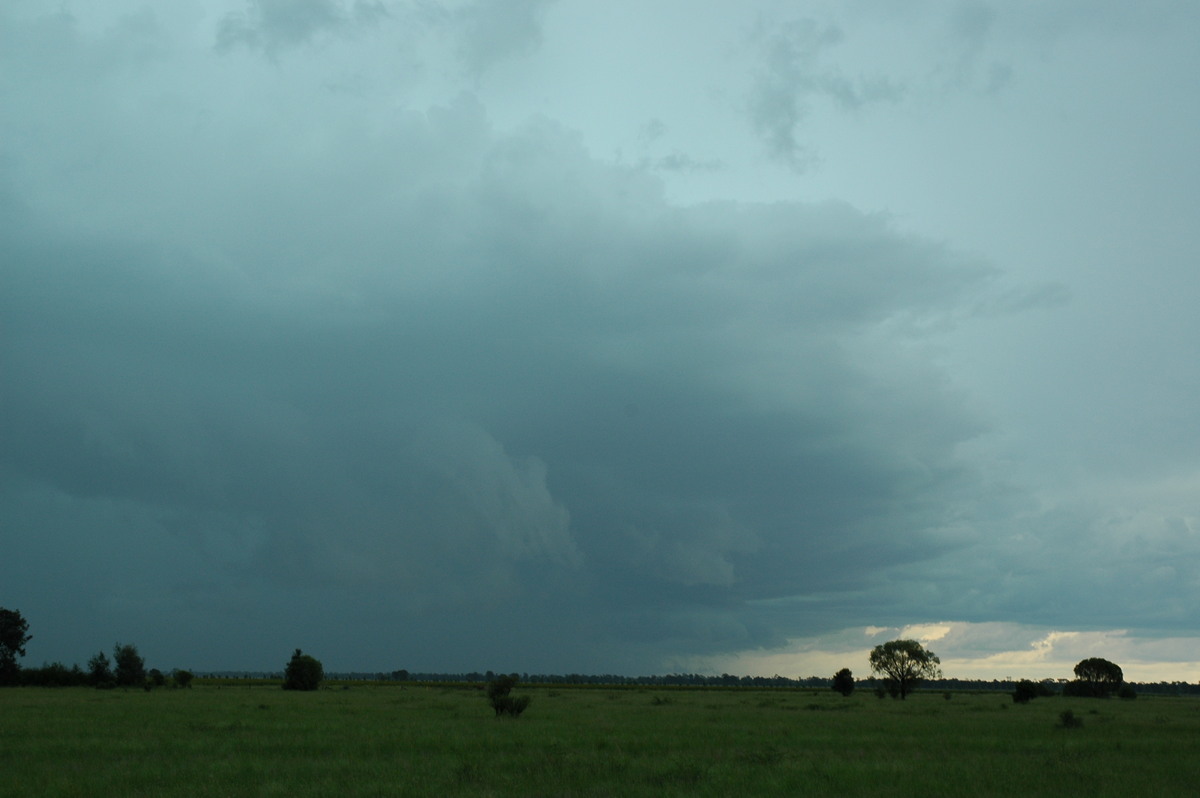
(480, 378)
(301, 345)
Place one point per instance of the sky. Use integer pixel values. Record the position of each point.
(602, 337)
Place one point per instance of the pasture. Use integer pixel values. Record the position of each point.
(390, 740)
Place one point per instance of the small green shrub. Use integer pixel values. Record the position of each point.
(1068, 720)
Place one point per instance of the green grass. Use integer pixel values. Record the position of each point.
(387, 741)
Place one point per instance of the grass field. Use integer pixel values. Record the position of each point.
(387, 741)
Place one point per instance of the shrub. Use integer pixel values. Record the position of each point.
(1127, 692)
(303, 672)
(498, 690)
(1026, 691)
(181, 678)
(1068, 720)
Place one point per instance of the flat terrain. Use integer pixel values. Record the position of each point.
(391, 740)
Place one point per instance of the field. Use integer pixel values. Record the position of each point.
(391, 740)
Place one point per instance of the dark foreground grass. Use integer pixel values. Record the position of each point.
(388, 741)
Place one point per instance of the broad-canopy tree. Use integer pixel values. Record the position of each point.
(303, 672)
(1096, 677)
(904, 664)
(14, 634)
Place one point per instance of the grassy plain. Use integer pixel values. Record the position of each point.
(390, 741)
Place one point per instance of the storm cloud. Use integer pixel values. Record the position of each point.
(304, 347)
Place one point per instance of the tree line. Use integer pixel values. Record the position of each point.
(897, 668)
(127, 668)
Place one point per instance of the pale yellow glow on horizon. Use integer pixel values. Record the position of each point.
(976, 651)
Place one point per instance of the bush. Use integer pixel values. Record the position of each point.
(843, 682)
(1028, 690)
(182, 678)
(498, 690)
(1068, 720)
(1127, 692)
(303, 672)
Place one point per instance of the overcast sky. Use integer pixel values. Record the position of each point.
(602, 336)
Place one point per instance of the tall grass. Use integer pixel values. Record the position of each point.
(377, 741)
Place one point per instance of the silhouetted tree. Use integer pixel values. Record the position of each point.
(181, 678)
(130, 667)
(1095, 678)
(14, 634)
(904, 664)
(843, 682)
(100, 671)
(303, 672)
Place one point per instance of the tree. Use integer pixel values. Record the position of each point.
(303, 672)
(182, 678)
(843, 682)
(14, 634)
(904, 664)
(1095, 678)
(131, 668)
(100, 671)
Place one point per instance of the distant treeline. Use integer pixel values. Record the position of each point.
(679, 680)
(56, 674)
